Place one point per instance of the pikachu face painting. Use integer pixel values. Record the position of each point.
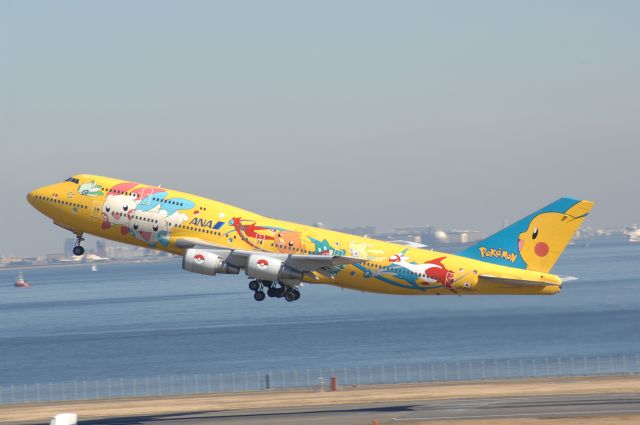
(548, 234)
(536, 241)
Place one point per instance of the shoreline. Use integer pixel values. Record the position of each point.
(86, 263)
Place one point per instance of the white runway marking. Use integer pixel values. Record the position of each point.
(515, 415)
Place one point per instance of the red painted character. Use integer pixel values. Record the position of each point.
(439, 273)
(249, 230)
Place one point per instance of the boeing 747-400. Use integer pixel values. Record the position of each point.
(277, 256)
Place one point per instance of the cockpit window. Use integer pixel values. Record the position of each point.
(72, 179)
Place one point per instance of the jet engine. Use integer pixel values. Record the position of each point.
(264, 267)
(206, 262)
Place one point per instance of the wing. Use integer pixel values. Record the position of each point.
(196, 242)
(305, 263)
(410, 244)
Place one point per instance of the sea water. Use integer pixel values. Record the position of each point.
(153, 319)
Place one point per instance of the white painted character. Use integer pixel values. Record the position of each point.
(156, 216)
(176, 219)
(118, 207)
(150, 226)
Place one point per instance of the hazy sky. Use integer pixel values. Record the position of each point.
(452, 113)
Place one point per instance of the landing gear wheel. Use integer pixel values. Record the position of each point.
(259, 296)
(296, 293)
(279, 292)
(78, 250)
(254, 285)
(290, 296)
(271, 292)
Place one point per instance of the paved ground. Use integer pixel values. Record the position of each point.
(480, 410)
(610, 400)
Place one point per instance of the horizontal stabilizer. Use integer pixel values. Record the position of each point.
(567, 278)
(410, 244)
(513, 282)
(197, 243)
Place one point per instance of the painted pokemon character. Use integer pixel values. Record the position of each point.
(287, 241)
(144, 212)
(156, 214)
(150, 227)
(428, 275)
(322, 247)
(118, 207)
(248, 229)
(536, 241)
(365, 251)
(435, 272)
(547, 235)
(90, 189)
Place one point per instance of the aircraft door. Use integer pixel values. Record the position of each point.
(259, 240)
(96, 210)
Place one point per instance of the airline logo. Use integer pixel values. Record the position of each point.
(206, 223)
(262, 263)
(198, 258)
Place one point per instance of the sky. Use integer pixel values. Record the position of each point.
(458, 114)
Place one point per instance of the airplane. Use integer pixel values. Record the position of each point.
(278, 256)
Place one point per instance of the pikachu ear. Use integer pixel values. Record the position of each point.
(580, 210)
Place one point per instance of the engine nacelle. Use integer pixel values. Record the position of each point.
(264, 267)
(206, 262)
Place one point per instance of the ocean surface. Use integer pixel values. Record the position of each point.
(153, 319)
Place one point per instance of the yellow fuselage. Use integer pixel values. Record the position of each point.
(387, 267)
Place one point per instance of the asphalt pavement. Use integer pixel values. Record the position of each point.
(542, 407)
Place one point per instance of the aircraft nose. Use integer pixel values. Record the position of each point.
(33, 196)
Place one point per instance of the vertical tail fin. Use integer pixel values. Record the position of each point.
(536, 241)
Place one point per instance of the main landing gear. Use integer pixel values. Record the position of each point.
(78, 250)
(274, 290)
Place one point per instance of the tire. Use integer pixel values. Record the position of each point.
(78, 250)
(271, 292)
(254, 285)
(297, 293)
(259, 296)
(290, 296)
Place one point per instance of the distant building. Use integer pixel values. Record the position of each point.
(464, 236)
(429, 235)
(69, 243)
(419, 234)
(101, 248)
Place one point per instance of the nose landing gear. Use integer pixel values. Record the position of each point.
(78, 250)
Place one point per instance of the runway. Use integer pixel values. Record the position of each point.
(614, 400)
(473, 410)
